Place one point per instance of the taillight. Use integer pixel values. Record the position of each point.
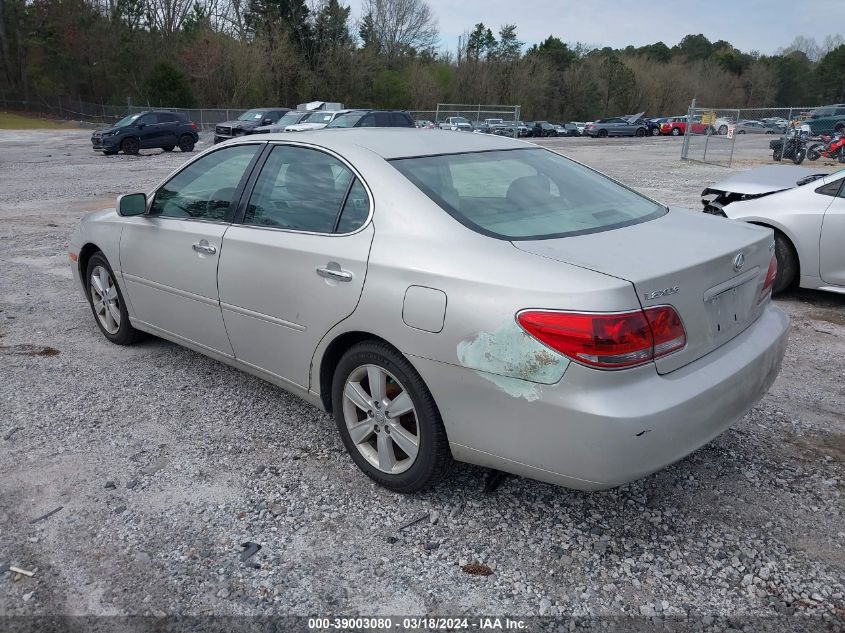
(193, 125)
(771, 274)
(609, 341)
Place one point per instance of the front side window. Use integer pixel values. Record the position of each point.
(526, 194)
(205, 189)
(305, 190)
(148, 119)
(346, 120)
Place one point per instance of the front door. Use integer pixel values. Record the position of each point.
(169, 256)
(832, 242)
(295, 266)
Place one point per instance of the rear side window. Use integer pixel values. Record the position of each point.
(167, 117)
(355, 209)
(832, 189)
(400, 119)
(526, 194)
(304, 190)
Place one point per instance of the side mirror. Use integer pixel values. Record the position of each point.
(267, 122)
(132, 204)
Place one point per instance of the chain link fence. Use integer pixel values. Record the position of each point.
(714, 135)
(63, 107)
(493, 119)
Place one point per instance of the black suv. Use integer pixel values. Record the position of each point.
(146, 130)
(247, 122)
(373, 118)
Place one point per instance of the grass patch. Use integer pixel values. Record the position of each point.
(13, 121)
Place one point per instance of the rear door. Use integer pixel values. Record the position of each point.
(832, 242)
(294, 265)
(169, 126)
(169, 256)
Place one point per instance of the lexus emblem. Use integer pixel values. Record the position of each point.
(739, 262)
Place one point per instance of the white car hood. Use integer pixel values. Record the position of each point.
(764, 180)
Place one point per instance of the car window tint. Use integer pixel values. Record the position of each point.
(300, 189)
(205, 188)
(831, 188)
(401, 120)
(526, 194)
(355, 209)
(148, 119)
(368, 121)
(166, 117)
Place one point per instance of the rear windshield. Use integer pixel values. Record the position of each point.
(526, 194)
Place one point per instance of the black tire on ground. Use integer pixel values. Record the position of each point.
(787, 263)
(676, 131)
(186, 143)
(168, 148)
(126, 334)
(434, 456)
(640, 131)
(130, 145)
(777, 153)
(602, 133)
(813, 152)
(655, 131)
(798, 157)
(723, 129)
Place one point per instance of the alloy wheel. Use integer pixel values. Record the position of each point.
(381, 419)
(105, 299)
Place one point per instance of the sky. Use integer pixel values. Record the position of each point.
(761, 25)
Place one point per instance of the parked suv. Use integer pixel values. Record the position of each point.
(248, 122)
(372, 118)
(147, 130)
(826, 120)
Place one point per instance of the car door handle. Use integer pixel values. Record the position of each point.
(204, 247)
(332, 270)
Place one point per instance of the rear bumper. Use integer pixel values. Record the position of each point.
(600, 429)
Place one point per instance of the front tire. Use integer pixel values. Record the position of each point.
(813, 152)
(640, 131)
(723, 130)
(186, 143)
(602, 133)
(655, 131)
(676, 131)
(387, 418)
(130, 146)
(777, 153)
(106, 301)
(787, 263)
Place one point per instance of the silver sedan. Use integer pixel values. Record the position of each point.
(449, 296)
(805, 209)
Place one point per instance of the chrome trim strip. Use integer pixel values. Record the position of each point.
(176, 291)
(730, 284)
(263, 317)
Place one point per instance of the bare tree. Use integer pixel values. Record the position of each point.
(167, 16)
(401, 26)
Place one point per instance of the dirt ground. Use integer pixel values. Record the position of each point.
(164, 462)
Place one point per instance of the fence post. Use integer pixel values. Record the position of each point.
(516, 122)
(685, 146)
(733, 140)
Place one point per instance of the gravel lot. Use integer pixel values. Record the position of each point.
(164, 462)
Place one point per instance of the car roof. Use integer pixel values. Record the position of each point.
(400, 142)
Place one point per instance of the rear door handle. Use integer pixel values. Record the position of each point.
(204, 247)
(332, 270)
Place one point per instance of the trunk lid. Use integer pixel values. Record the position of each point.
(683, 259)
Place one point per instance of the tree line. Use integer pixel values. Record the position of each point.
(233, 53)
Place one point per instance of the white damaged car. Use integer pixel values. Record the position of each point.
(806, 210)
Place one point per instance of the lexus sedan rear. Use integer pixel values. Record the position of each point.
(447, 296)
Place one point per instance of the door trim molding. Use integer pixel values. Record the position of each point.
(262, 317)
(165, 288)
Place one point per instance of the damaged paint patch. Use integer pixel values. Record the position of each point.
(512, 360)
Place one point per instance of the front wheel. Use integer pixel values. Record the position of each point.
(798, 156)
(640, 131)
(655, 131)
(387, 418)
(602, 133)
(186, 143)
(777, 153)
(130, 146)
(676, 131)
(723, 129)
(107, 303)
(787, 263)
(813, 152)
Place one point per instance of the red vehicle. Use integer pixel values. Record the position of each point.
(832, 148)
(677, 126)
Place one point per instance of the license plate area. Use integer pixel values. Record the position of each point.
(730, 310)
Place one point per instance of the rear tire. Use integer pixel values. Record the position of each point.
(676, 131)
(655, 131)
(106, 301)
(787, 263)
(186, 143)
(798, 156)
(602, 133)
(813, 152)
(777, 154)
(130, 146)
(640, 131)
(432, 448)
(723, 130)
